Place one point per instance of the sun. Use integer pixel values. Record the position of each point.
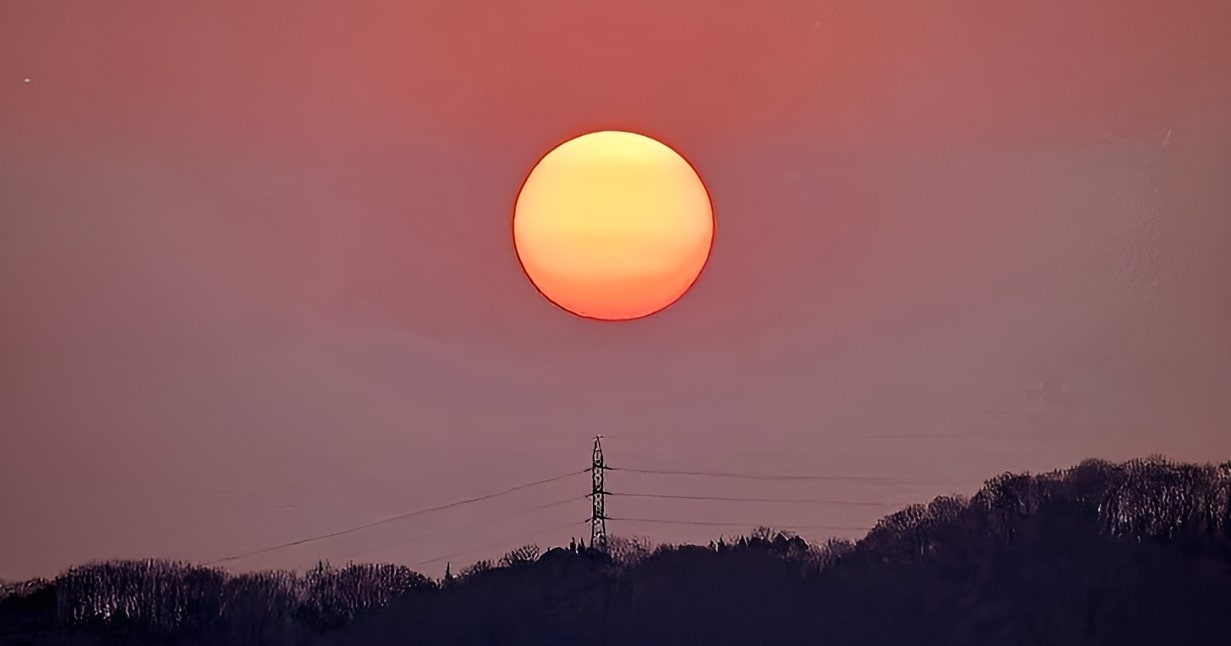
(613, 226)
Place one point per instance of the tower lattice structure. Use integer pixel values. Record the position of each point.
(598, 498)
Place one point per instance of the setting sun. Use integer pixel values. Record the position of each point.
(613, 226)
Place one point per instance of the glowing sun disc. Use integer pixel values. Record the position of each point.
(613, 226)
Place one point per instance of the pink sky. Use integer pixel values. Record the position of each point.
(257, 282)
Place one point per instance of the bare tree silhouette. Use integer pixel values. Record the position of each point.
(1102, 553)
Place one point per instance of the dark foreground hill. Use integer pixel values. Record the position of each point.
(1124, 554)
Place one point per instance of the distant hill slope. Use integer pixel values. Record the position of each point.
(1124, 554)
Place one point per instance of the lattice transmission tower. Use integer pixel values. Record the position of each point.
(598, 499)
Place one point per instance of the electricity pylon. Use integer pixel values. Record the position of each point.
(598, 513)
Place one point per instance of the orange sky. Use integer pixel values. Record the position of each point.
(256, 280)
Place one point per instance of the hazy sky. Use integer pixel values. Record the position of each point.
(257, 280)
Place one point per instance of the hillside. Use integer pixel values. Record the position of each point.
(1132, 553)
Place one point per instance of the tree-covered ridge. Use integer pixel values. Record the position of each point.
(1138, 552)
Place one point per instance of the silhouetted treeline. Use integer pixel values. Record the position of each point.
(1124, 554)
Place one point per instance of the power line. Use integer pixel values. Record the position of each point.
(763, 476)
(836, 528)
(483, 521)
(502, 542)
(398, 517)
(815, 501)
(598, 516)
